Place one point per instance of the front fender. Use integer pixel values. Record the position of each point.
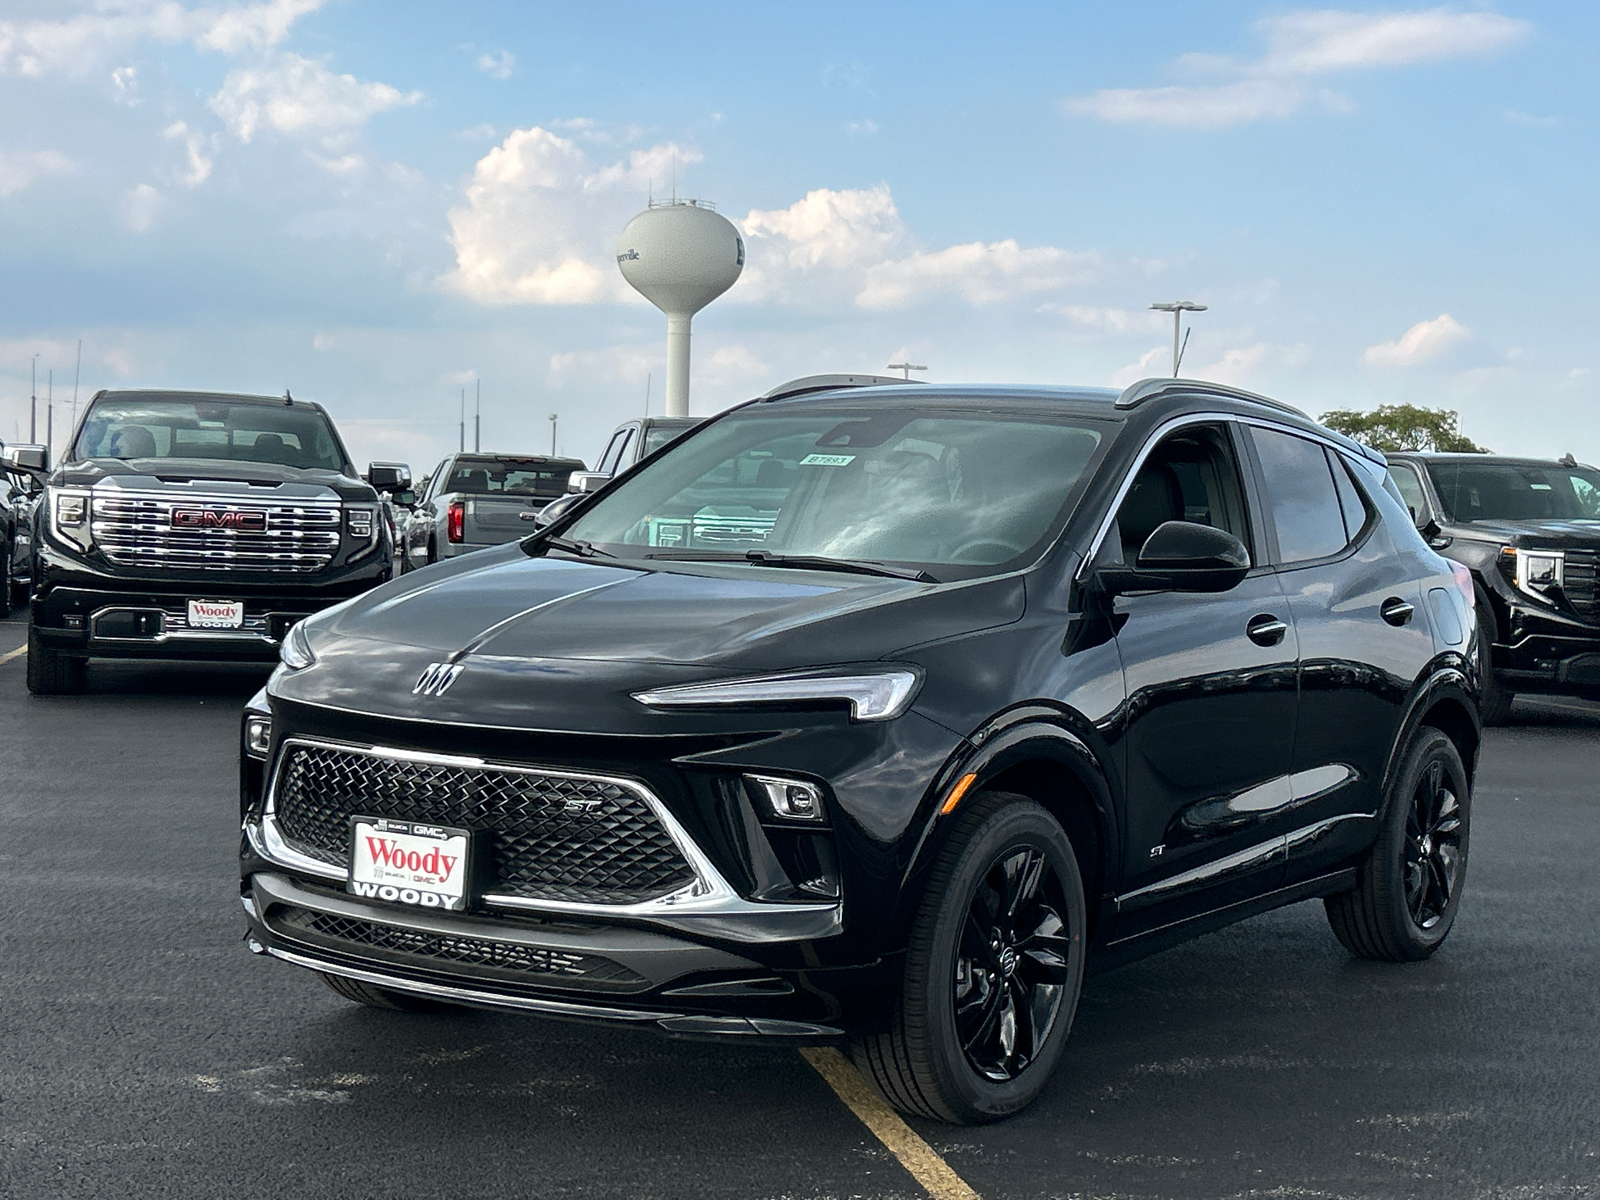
(1450, 677)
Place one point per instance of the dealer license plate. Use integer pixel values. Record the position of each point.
(216, 614)
(405, 862)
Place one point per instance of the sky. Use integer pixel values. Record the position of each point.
(378, 203)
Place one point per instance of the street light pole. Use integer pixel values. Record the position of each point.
(33, 403)
(477, 416)
(1177, 308)
(553, 417)
(906, 367)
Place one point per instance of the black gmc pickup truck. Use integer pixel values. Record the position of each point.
(197, 525)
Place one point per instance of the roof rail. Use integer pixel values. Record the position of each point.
(1148, 389)
(826, 383)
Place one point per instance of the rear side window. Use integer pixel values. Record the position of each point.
(1302, 495)
(1350, 501)
(1410, 487)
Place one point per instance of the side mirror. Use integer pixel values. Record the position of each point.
(26, 458)
(1182, 556)
(389, 477)
(558, 507)
(585, 482)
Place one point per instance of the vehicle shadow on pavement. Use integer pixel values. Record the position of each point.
(109, 677)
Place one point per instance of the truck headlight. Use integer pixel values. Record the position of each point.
(359, 522)
(1536, 572)
(70, 512)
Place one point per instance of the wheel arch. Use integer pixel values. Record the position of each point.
(1444, 702)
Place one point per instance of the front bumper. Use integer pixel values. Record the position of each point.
(1548, 652)
(607, 974)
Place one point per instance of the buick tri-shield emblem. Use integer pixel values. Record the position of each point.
(436, 680)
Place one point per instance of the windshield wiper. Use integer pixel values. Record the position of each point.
(802, 562)
(571, 546)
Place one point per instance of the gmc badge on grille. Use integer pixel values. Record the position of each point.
(241, 520)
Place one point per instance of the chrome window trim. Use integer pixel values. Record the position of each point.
(709, 894)
(1153, 439)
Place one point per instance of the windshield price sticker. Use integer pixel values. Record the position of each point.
(216, 614)
(404, 862)
(827, 460)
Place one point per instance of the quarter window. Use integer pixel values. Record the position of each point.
(1302, 495)
(1350, 501)
(1410, 490)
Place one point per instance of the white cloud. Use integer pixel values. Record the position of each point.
(125, 86)
(539, 220)
(79, 43)
(1106, 320)
(1302, 46)
(1148, 365)
(865, 127)
(501, 65)
(300, 97)
(20, 169)
(1423, 342)
(142, 208)
(981, 273)
(198, 167)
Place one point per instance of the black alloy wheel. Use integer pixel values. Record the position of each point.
(993, 969)
(1409, 890)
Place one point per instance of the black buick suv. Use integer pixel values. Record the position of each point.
(986, 687)
(1529, 531)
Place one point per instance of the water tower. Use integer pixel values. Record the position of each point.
(680, 255)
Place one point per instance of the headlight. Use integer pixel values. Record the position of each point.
(296, 649)
(872, 695)
(70, 513)
(359, 522)
(257, 735)
(1537, 572)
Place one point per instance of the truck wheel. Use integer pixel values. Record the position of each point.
(1409, 889)
(992, 972)
(8, 597)
(1494, 704)
(433, 551)
(381, 997)
(50, 672)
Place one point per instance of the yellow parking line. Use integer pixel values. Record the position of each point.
(915, 1155)
(17, 653)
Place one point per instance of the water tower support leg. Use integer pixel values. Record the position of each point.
(678, 364)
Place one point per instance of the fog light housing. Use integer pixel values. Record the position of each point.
(257, 735)
(787, 799)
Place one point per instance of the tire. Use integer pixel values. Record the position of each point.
(958, 990)
(1494, 703)
(1409, 889)
(381, 997)
(50, 672)
(8, 591)
(433, 551)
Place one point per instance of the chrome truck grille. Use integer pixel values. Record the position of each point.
(553, 837)
(216, 533)
(1578, 574)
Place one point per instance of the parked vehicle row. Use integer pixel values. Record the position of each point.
(990, 686)
(476, 500)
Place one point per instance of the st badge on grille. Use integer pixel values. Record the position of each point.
(436, 680)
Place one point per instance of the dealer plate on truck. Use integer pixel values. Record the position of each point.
(216, 614)
(406, 862)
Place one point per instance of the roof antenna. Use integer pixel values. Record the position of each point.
(287, 399)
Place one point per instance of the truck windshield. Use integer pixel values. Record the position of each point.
(510, 477)
(920, 486)
(1502, 491)
(156, 427)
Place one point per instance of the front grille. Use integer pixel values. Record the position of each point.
(1578, 575)
(136, 530)
(446, 948)
(552, 837)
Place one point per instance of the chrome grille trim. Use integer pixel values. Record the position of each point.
(1578, 582)
(134, 529)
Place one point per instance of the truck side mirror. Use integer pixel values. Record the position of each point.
(585, 482)
(26, 457)
(389, 477)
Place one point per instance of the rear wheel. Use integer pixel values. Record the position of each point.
(993, 970)
(381, 997)
(50, 672)
(1409, 889)
(1494, 701)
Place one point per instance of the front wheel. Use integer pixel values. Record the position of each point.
(993, 970)
(1494, 700)
(1409, 890)
(50, 672)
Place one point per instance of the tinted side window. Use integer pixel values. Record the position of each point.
(1410, 490)
(1350, 500)
(1301, 493)
(613, 454)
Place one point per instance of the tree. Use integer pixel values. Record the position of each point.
(1404, 427)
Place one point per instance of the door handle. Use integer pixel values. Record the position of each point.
(1266, 630)
(1396, 611)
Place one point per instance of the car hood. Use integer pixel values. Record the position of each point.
(1560, 535)
(182, 474)
(541, 639)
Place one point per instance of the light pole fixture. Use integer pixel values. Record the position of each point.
(1177, 308)
(553, 418)
(906, 367)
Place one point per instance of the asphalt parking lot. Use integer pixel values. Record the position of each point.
(143, 1052)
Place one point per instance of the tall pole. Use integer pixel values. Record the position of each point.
(553, 417)
(462, 447)
(50, 416)
(1177, 308)
(33, 403)
(1177, 319)
(76, 369)
(477, 416)
(678, 364)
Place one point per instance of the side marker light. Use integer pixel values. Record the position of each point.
(954, 798)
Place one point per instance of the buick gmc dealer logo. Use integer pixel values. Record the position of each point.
(240, 520)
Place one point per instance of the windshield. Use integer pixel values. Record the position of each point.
(658, 436)
(154, 427)
(509, 476)
(1501, 491)
(917, 486)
